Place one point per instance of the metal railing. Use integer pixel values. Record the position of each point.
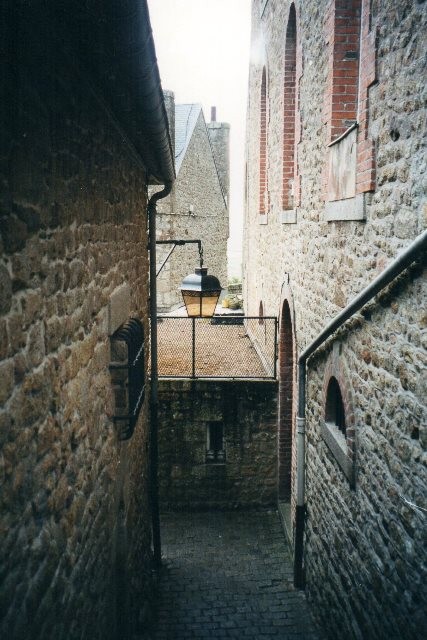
(218, 347)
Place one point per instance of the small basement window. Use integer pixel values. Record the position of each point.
(215, 442)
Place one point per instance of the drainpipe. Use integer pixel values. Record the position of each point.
(154, 401)
(402, 262)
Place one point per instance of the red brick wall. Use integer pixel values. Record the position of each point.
(289, 112)
(263, 204)
(342, 34)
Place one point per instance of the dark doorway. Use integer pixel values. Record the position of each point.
(286, 408)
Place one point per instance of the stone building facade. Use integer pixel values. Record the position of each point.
(335, 190)
(75, 522)
(217, 444)
(198, 205)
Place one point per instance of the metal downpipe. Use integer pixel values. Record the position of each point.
(154, 391)
(299, 579)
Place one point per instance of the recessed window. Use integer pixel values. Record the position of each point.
(215, 443)
(335, 413)
(337, 432)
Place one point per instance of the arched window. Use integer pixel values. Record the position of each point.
(261, 313)
(338, 430)
(289, 108)
(335, 413)
(263, 190)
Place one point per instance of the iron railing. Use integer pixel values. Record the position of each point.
(218, 347)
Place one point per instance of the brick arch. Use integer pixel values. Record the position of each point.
(287, 396)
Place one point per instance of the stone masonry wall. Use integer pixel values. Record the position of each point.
(363, 558)
(198, 185)
(247, 412)
(365, 546)
(75, 527)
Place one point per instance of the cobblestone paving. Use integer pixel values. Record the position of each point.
(228, 575)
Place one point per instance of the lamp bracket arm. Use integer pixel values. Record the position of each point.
(180, 243)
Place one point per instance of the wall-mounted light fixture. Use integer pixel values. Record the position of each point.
(199, 290)
(204, 290)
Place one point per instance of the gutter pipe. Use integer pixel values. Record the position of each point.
(154, 383)
(402, 262)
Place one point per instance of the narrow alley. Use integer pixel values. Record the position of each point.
(228, 575)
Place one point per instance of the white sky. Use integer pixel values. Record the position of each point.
(202, 49)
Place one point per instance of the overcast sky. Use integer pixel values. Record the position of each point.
(202, 50)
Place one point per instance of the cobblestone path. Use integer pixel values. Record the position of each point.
(228, 575)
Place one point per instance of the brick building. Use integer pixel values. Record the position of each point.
(84, 132)
(197, 207)
(335, 191)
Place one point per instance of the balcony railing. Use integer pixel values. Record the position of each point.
(218, 347)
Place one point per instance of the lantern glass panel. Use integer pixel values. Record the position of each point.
(200, 304)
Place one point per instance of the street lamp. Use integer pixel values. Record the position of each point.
(200, 297)
(199, 290)
(200, 293)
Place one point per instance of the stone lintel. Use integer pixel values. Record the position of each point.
(348, 209)
(118, 307)
(288, 216)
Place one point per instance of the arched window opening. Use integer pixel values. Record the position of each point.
(263, 196)
(289, 110)
(335, 413)
(261, 313)
(338, 427)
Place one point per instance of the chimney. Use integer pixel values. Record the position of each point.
(213, 114)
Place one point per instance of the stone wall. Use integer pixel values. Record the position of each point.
(75, 526)
(365, 545)
(246, 411)
(358, 540)
(197, 186)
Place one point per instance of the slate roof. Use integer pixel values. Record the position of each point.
(186, 116)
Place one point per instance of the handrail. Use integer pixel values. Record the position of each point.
(395, 268)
